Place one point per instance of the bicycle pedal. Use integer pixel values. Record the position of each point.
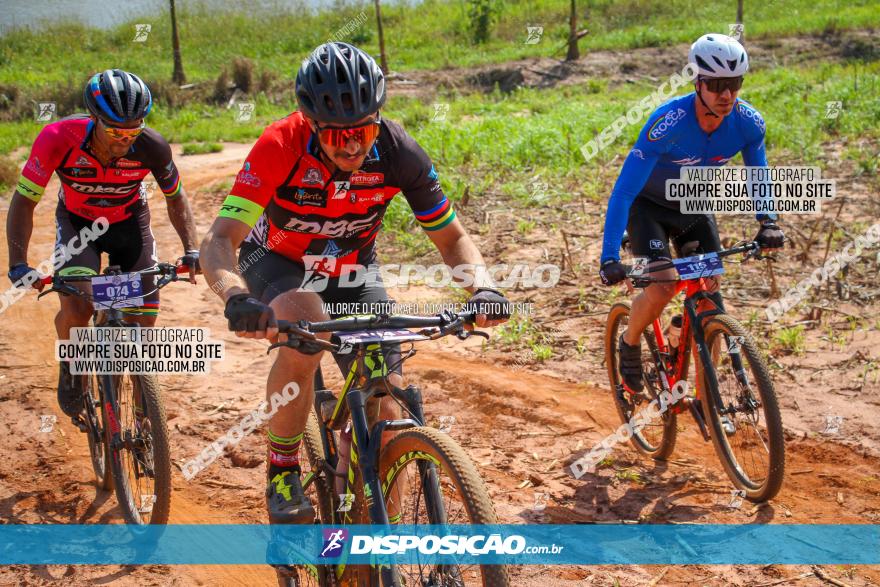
(79, 423)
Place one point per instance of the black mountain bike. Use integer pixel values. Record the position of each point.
(421, 475)
(734, 405)
(123, 415)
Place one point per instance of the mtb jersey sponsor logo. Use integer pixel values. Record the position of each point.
(126, 173)
(638, 153)
(662, 125)
(36, 167)
(80, 171)
(313, 176)
(720, 159)
(82, 160)
(127, 163)
(332, 227)
(101, 202)
(688, 161)
(361, 178)
(101, 189)
(340, 189)
(302, 196)
(752, 114)
(245, 177)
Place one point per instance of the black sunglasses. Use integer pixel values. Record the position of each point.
(716, 85)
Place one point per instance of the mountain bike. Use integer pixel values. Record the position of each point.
(123, 415)
(734, 404)
(421, 474)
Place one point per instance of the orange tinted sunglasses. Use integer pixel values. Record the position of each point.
(117, 133)
(364, 134)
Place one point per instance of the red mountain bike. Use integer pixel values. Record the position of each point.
(734, 404)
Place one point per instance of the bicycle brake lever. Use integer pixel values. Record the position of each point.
(464, 334)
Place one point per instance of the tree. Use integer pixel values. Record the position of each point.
(178, 76)
(574, 52)
(383, 59)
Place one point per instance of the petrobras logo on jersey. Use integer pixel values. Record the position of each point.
(361, 178)
(746, 110)
(661, 125)
(432, 544)
(127, 163)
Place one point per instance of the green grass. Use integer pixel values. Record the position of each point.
(791, 340)
(201, 148)
(432, 34)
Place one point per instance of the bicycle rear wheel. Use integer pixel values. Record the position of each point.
(747, 428)
(455, 491)
(141, 462)
(97, 430)
(656, 438)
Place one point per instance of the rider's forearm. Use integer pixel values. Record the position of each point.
(181, 216)
(217, 260)
(463, 251)
(19, 227)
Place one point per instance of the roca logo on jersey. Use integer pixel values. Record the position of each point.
(332, 227)
(100, 189)
(750, 112)
(661, 125)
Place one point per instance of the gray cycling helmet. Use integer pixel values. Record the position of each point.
(339, 84)
(118, 96)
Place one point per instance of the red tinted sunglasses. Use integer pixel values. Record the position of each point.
(337, 137)
(716, 85)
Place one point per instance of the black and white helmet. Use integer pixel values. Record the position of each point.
(717, 55)
(118, 96)
(339, 84)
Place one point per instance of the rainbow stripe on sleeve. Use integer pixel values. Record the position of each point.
(438, 216)
(174, 189)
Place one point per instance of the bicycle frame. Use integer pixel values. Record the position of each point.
(695, 290)
(358, 388)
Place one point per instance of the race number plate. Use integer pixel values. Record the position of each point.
(348, 340)
(117, 291)
(699, 266)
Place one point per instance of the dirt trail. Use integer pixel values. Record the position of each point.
(514, 423)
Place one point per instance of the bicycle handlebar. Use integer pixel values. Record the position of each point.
(303, 334)
(751, 249)
(59, 282)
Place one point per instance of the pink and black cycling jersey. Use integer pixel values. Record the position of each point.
(88, 188)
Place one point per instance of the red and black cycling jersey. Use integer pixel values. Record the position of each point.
(88, 189)
(329, 222)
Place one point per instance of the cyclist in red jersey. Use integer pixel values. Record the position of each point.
(308, 204)
(101, 159)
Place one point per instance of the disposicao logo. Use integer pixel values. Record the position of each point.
(334, 542)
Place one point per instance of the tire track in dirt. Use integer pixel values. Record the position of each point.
(514, 424)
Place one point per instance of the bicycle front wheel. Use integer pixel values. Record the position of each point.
(140, 459)
(747, 427)
(428, 479)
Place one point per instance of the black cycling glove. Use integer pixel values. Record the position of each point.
(770, 236)
(612, 272)
(490, 302)
(191, 260)
(18, 272)
(248, 314)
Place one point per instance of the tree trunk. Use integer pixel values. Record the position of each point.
(178, 76)
(573, 52)
(383, 59)
(739, 11)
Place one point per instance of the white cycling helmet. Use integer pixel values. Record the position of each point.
(717, 55)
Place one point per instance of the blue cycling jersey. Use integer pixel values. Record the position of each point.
(671, 139)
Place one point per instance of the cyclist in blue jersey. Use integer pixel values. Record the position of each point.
(707, 127)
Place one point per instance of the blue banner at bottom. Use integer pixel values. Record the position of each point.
(407, 544)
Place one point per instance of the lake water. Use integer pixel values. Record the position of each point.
(106, 13)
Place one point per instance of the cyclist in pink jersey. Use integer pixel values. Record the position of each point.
(101, 159)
